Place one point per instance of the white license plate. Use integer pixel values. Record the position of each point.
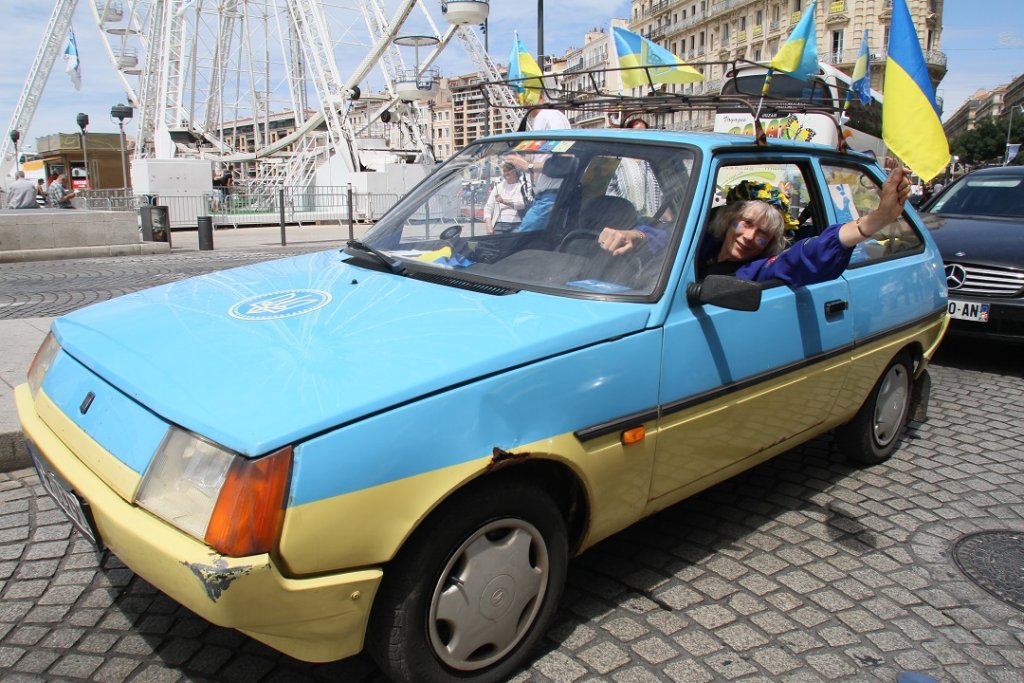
(66, 499)
(968, 310)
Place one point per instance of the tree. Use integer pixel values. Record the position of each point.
(985, 144)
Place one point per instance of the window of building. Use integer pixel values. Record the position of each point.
(837, 45)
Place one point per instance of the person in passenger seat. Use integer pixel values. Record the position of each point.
(746, 237)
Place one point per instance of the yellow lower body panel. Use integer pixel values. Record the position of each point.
(315, 619)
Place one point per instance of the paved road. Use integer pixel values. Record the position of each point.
(805, 569)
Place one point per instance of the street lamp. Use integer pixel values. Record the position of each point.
(15, 136)
(1009, 125)
(540, 33)
(122, 112)
(83, 123)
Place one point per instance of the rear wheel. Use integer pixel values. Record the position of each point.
(475, 589)
(873, 434)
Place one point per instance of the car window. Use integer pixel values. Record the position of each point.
(854, 193)
(983, 196)
(538, 227)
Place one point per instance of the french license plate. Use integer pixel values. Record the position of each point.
(968, 310)
(69, 502)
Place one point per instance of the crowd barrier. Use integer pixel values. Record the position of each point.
(244, 206)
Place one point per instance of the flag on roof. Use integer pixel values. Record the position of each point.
(663, 67)
(72, 66)
(798, 56)
(524, 73)
(911, 127)
(860, 82)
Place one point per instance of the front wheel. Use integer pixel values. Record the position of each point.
(473, 592)
(873, 434)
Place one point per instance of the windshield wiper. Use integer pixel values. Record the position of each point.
(393, 264)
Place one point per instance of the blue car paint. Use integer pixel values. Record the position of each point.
(524, 405)
(381, 341)
(113, 420)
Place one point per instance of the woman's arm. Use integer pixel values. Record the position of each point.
(895, 192)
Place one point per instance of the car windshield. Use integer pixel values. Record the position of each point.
(527, 213)
(999, 196)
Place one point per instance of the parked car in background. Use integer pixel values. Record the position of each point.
(401, 444)
(978, 224)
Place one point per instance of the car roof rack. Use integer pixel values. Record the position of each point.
(589, 96)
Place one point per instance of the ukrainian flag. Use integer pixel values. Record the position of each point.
(798, 56)
(910, 117)
(663, 66)
(860, 81)
(524, 73)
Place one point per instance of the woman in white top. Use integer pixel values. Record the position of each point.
(505, 206)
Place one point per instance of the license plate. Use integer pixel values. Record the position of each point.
(69, 502)
(968, 310)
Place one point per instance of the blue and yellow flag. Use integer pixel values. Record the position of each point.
(524, 73)
(798, 56)
(910, 117)
(860, 81)
(664, 67)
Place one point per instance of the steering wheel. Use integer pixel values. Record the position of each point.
(574, 235)
(451, 232)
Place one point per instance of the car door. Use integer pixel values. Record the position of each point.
(895, 280)
(739, 384)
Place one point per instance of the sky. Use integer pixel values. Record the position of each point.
(983, 41)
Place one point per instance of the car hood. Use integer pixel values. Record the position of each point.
(261, 356)
(989, 241)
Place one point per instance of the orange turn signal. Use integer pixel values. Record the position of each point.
(634, 435)
(250, 507)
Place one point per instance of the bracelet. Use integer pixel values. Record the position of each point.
(641, 237)
(856, 223)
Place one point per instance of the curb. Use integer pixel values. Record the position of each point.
(13, 454)
(23, 255)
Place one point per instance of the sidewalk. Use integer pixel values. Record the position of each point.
(20, 338)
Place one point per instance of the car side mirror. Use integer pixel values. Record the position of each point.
(726, 291)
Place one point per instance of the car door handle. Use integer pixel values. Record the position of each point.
(836, 306)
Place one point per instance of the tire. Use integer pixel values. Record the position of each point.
(872, 435)
(474, 590)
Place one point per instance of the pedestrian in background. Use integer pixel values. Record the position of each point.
(21, 194)
(60, 198)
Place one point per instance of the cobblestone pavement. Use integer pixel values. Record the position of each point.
(49, 288)
(804, 569)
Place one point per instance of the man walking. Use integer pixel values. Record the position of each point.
(59, 197)
(22, 193)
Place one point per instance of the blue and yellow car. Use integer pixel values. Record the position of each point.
(399, 445)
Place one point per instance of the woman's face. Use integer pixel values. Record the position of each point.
(746, 238)
(510, 175)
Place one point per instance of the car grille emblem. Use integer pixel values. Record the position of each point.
(956, 275)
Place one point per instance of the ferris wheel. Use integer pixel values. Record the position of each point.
(199, 70)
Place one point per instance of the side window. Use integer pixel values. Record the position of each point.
(855, 193)
(787, 177)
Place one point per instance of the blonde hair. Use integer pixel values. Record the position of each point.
(762, 212)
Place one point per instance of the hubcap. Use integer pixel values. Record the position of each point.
(891, 404)
(488, 595)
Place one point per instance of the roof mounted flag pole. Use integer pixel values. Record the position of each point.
(798, 57)
(860, 83)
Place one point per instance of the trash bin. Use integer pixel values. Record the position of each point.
(205, 224)
(155, 223)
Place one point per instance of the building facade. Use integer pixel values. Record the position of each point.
(717, 31)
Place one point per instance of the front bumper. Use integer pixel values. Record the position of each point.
(316, 619)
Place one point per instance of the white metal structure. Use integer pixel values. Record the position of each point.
(218, 78)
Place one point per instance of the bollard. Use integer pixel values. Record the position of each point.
(205, 224)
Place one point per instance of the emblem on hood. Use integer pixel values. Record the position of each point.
(956, 276)
(282, 304)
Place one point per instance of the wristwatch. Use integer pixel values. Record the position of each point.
(530, 167)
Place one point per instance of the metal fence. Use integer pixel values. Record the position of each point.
(253, 206)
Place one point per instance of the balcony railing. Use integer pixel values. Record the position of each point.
(931, 57)
(758, 31)
(837, 7)
(741, 36)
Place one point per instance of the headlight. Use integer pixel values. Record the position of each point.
(233, 503)
(41, 362)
